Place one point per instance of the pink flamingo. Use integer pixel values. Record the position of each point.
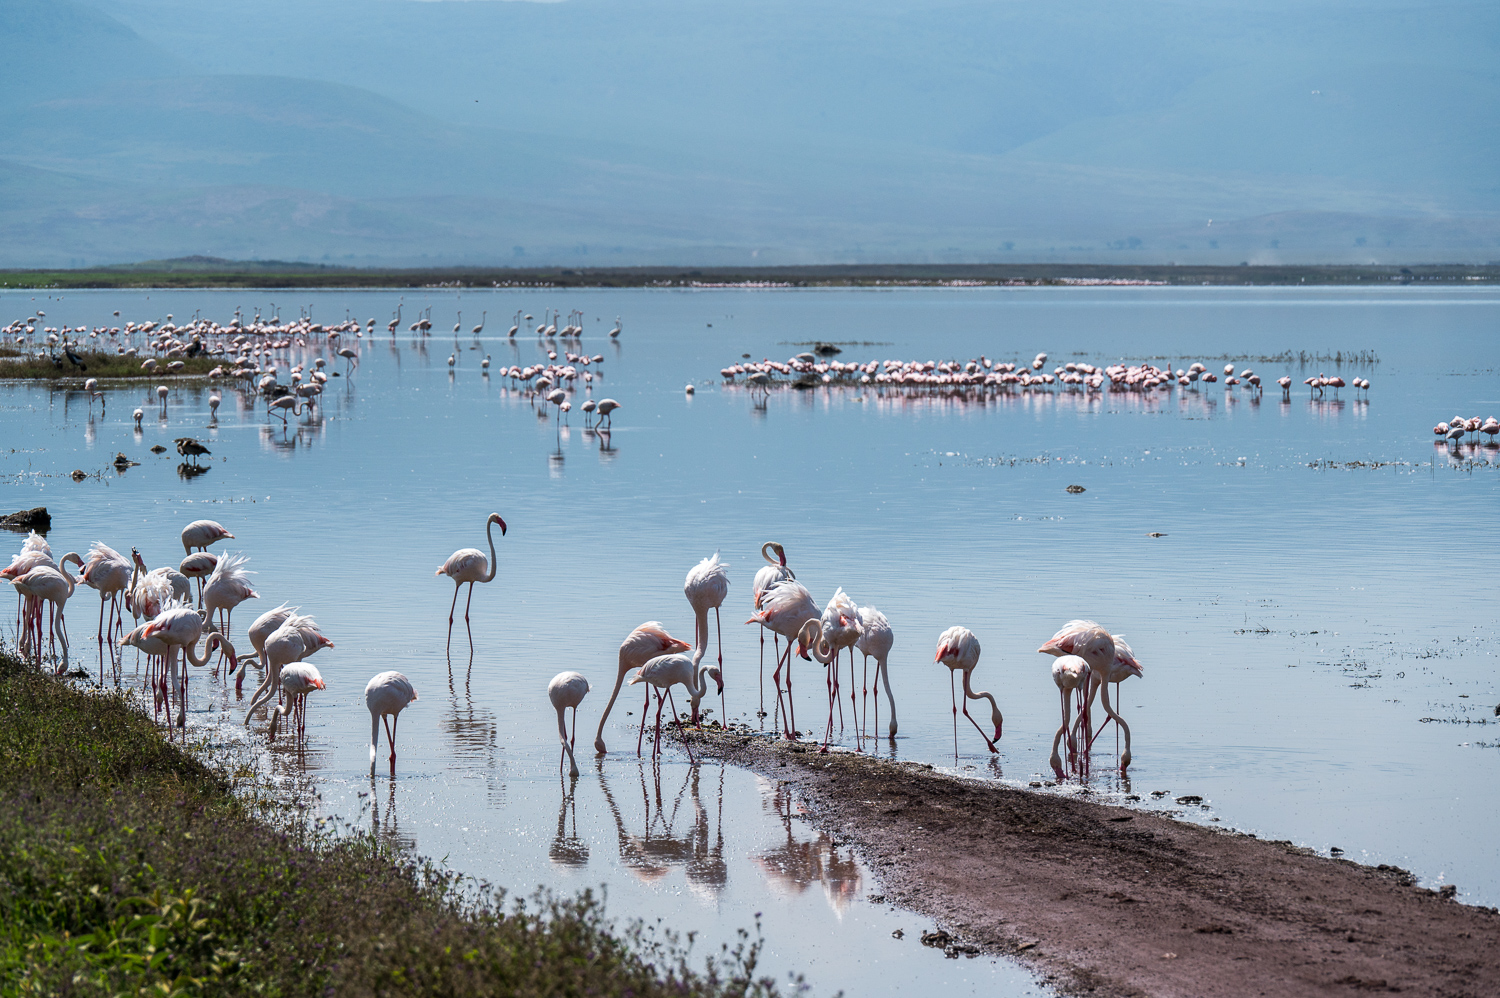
(958, 649)
(1071, 674)
(639, 647)
(706, 587)
(771, 573)
(201, 533)
(297, 681)
(567, 689)
(387, 695)
(784, 608)
(469, 565)
(227, 588)
(666, 671)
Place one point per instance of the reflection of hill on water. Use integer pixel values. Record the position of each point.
(796, 864)
(698, 849)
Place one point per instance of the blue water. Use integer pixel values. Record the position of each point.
(1316, 624)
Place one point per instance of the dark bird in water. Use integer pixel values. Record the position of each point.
(195, 348)
(190, 448)
(77, 360)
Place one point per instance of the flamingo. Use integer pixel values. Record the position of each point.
(615, 332)
(567, 689)
(1089, 642)
(179, 626)
(784, 608)
(480, 328)
(1122, 666)
(55, 586)
(666, 671)
(161, 393)
(227, 588)
(34, 553)
(772, 572)
(706, 587)
(875, 640)
(836, 629)
(639, 647)
(201, 533)
(958, 649)
(469, 565)
(387, 695)
(606, 408)
(108, 573)
(297, 638)
(280, 407)
(198, 565)
(264, 626)
(1071, 674)
(213, 406)
(297, 681)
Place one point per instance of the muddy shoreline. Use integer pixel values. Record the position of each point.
(1109, 901)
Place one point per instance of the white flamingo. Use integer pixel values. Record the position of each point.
(469, 565)
(567, 689)
(387, 695)
(639, 647)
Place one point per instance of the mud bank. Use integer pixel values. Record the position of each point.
(1106, 900)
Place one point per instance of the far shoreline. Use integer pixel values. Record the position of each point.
(208, 273)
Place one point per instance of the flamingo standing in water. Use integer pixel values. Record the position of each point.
(1121, 668)
(297, 681)
(771, 573)
(179, 626)
(1071, 674)
(227, 588)
(387, 695)
(958, 649)
(297, 638)
(836, 629)
(469, 565)
(201, 533)
(55, 586)
(567, 689)
(875, 640)
(639, 647)
(108, 573)
(1090, 642)
(199, 565)
(666, 671)
(784, 609)
(264, 626)
(706, 587)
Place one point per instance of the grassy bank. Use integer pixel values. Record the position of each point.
(201, 272)
(128, 867)
(102, 366)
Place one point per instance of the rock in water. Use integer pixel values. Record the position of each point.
(36, 519)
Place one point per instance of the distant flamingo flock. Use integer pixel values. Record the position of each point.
(171, 625)
(808, 370)
(1454, 431)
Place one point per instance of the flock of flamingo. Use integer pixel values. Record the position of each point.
(253, 352)
(170, 620)
(1454, 430)
(808, 370)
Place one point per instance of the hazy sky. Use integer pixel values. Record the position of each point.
(662, 130)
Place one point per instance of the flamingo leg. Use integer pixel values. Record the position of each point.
(681, 732)
(977, 727)
(467, 603)
(451, 607)
(723, 707)
(953, 697)
(642, 736)
(853, 707)
(656, 745)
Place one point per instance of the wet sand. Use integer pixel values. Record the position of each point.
(1108, 901)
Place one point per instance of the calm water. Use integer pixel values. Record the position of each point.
(1317, 624)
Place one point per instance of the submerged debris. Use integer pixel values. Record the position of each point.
(1075, 489)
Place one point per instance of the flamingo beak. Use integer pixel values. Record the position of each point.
(502, 526)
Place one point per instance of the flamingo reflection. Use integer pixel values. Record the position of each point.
(698, 850)
(796, 864)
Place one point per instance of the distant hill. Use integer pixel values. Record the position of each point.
(651, 131)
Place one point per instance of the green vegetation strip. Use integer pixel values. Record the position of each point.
(129, 867)
(212, 272)
(103, 366)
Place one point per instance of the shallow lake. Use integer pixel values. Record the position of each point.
(1316, 621)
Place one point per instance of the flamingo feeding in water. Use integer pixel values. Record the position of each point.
(639, 647)
(666, 671)
(958, 649)
(227, 587)
(1071, 674)
(875, 641)
(774, 571)
(297, 681)
(1095, 646)
(469, 565)
(784, 608)
(706, 587)
(201, 533)
(567, 689)
(387, 695)
(836, 629)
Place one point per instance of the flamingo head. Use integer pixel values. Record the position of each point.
(495, 518)
(943, 652)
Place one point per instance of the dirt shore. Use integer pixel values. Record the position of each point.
(1111, 901)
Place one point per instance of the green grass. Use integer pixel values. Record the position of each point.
(129, 867)
(102, 366)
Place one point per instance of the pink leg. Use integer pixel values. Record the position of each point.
(723, 707)
(679, 728)
(467, 603)
(656, 745)
(451, 607)
(642, 736)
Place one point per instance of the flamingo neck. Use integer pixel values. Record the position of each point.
(489, 533)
